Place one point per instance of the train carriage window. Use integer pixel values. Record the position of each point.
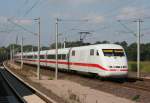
(35, 56)
(73, 53)
(91, 52)
(97, 53)
(42, 57)
(67, 56)
(53, 57)
(25, 56)
(30, 57)
(63, 56)
(59, 56)
(50, 56)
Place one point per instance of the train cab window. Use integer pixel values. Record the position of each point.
(113, 52)
(91, 52)
(119, 52)
(73, 53)
(108, 52)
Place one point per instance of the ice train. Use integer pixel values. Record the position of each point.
(105, 60)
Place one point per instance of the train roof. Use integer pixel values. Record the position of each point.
(98, 46)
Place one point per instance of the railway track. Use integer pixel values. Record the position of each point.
(123, 88)
(143, 88)
(130, 82)
(23, 93)
(7, 94)
(140, 84)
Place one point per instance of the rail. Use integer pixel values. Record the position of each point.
(27, 85)
(12, 89)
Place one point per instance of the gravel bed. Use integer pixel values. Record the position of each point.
(30, 72)
(87, 80)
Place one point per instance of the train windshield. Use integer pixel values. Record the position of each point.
(113, 52)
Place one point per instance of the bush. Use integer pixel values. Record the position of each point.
(133, 67)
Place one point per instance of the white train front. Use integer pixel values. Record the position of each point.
(105, 60)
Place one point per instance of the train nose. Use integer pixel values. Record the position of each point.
(117, 63)
(118, 67)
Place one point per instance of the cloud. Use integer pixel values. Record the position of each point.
(132, 12)
(3, 19)
(80, 1)
(95, 18)
(76, 3)
(73, 1)
(61, 15)
(23, 21)
(92, 18)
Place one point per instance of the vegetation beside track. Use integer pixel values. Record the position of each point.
(144, 67)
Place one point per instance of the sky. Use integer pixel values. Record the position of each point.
(111, 20)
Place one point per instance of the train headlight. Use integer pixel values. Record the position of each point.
(110, 66)
(124, 66)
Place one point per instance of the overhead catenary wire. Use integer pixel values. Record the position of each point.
(109, 12)
(131, 31)
(21, 27)
(28, 11)
(33, 6)
(21, 7)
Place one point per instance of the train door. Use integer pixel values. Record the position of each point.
(84, 58)
(91, 55)
(46, 58)
(91, 59)
(68, 58)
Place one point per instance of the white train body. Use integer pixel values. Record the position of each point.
(106, 60)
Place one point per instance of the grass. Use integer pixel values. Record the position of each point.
(50, 78)
(136, 98)
(144, 66)
(73, 97)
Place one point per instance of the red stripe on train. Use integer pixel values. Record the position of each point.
(78, 64)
